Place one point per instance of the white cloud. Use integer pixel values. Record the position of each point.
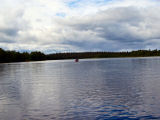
(71, 25)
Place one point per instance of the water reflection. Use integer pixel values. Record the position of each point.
(91, 89)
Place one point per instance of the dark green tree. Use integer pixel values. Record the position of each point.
(37, 56)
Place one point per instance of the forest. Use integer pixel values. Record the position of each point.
(15, 56)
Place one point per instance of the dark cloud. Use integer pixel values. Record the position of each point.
(130, 27)
(9, 31)
(6, 40)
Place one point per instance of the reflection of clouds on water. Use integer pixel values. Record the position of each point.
(117, 85)
(128, 82)
(88, 89)
(9, 92)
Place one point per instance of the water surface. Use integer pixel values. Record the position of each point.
(97, 89)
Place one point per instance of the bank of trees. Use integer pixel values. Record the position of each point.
(81, 55)
(14, 56)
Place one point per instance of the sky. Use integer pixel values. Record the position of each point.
(79, 25)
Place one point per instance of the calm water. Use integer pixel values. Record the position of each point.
(111, 89)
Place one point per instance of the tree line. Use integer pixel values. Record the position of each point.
(14, 56)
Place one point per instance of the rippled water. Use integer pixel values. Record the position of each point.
(113, 89)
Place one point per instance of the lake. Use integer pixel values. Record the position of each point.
(92, 89)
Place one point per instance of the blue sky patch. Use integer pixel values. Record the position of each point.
(61, 14)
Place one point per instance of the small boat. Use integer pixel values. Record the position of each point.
(76, 60)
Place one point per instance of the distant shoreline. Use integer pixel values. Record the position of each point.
(13, 56)
(80, 59)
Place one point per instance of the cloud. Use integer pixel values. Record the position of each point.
(77, 25)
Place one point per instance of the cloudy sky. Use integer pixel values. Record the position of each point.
(79, 25)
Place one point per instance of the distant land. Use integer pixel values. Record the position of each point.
(14, 56)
